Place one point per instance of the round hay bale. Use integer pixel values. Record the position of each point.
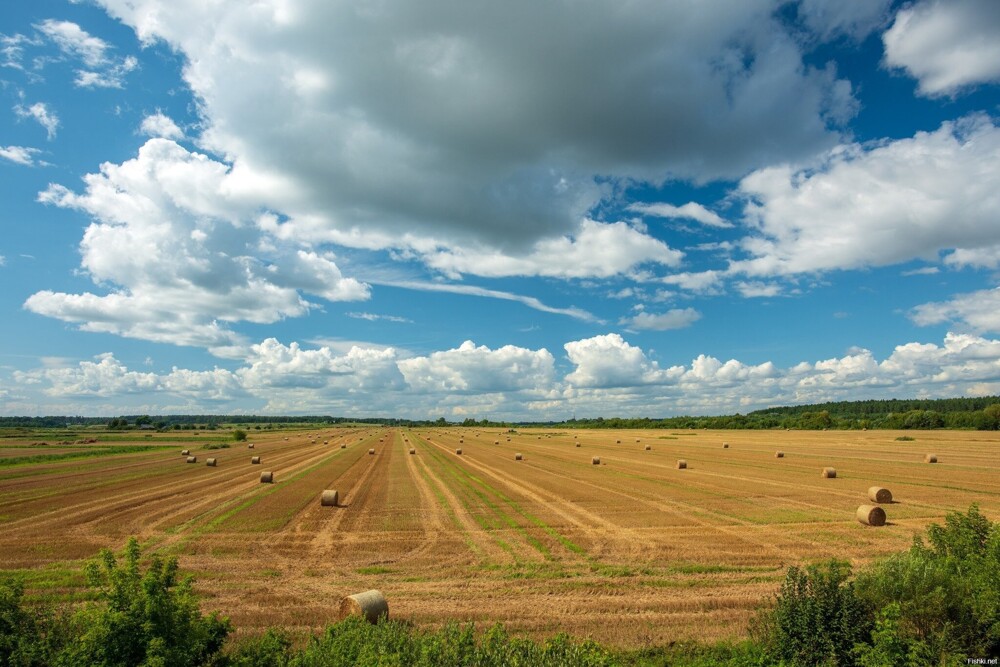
(725, 445)
(330, 498)
(192, 459)
(458, 451)
(267, 478)
(829, 473)
(254, 460)
(412, 450)
(370, 604)
(871, 515)
(518, 457)
(185, 452)
(779, 455)
(879, 494)
(286, 438)
(496, 442)
(681, 464)
(578, 444)
(649, 447)
(343, 446)
(618, 442)
(371, 452)
(930, 458)
(250, 446)
(211, 462)
(596, 461)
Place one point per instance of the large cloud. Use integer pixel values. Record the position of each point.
(609, 376)
(175, 236)
(478, 369)
(876, 205)
(489, 125)
(979, 311)
(948, 45)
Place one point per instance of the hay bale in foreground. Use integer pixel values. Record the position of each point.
(871, 515)
(578, 444)
(681, 464)
(518, 457)
(879, 494)
(343, 446)
(412, 450)
(596, 461)
(267, 478)
(185, 452)
(371, 452)
(192, 459)
(458, 451)
(649, 447)
(829, 473)
(254, 460)
(930, 458)
(496, 442)
(330, 498)
(725, 445)
(779, 454)
(370, 604)
(211, 462)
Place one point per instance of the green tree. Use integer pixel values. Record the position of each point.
(239, 435)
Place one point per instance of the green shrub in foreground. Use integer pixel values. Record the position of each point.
(355, 642)
(149, 619)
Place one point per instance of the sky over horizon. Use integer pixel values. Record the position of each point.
(512, 210)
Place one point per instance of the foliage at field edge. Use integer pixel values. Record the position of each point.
(937, 603)
(980, 413)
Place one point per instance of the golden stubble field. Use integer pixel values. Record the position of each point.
(630, 552)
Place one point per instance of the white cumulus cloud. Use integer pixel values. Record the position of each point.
(175, 237)
(676, 318)
(20, 154)
(947, 45)
(161, 125)
(691, 211)
(42, 114)
(876, 205)
(422, 127)
(979, 311)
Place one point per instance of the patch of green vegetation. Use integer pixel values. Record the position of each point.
(90, 452)
(374, 569)
(905, 438)
(271, 573)
(220, 445)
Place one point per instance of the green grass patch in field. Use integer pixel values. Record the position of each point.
(90, 452)
(220, 445)
(374, 569)
(905, 438)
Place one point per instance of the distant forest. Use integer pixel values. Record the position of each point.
(955, 413)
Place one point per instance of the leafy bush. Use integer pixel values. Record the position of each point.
(239, 435)
(356, 642)
(149, 619)
(817, 618)
(947, 593)
(24, 639)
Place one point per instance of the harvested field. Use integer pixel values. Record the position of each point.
(630, 553)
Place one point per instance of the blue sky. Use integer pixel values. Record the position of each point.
(508, 210)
